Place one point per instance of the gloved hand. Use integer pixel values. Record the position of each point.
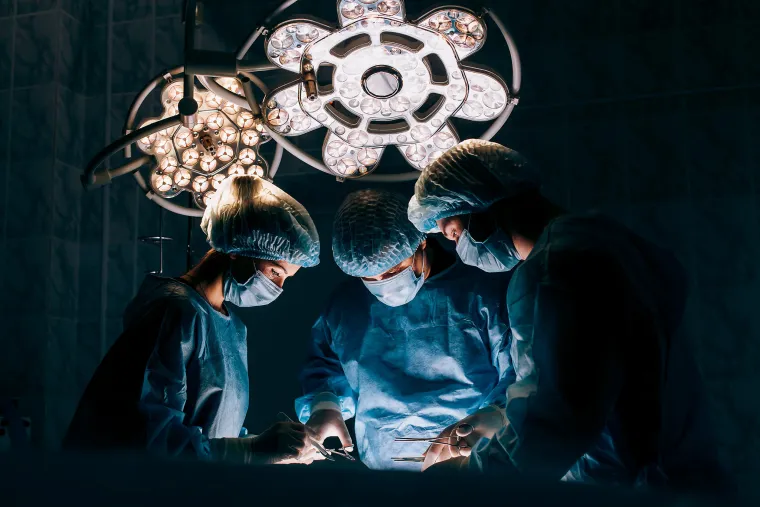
(466, 433)
(329, 423)
(281, 443)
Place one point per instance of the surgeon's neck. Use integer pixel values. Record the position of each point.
(207, 278)
(437, 257)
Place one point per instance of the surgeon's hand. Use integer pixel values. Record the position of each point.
(457, 464)
(284, 443)
(281, 443)
(329, 423)
(463, 435)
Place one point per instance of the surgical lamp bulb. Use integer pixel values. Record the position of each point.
(247, 156)
(162, 145)
(225, 153)
(249, 137)
(352, 10)
(228, 134)
(217, 180)
(168, 165)
(184, 138)
(208, 196)
(245, 120)
(208, 163)
(200, 184)
(215, 121)
(230, 108)
(235, 170)
(190, 157)
(162, 182)
(182, 178)
(306, 33)
(256, 170)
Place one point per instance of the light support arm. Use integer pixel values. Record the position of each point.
(105, 177)
(243, 49)
(188, 107)
(89, 178)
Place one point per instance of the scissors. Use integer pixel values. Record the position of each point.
(327, 453)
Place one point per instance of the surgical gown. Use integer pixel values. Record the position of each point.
(176, 377)
(607, 391)
(412, 370)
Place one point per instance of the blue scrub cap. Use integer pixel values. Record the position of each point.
(371, 233)
(251, 217)
(468, 178)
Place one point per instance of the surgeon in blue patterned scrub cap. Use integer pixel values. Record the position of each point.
(415, 344)
(175, 383)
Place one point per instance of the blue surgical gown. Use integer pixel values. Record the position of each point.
(607, 390)
(176, 377)
(412, 370)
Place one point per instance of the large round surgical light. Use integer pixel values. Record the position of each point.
(394, 82)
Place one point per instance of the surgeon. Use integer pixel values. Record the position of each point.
(176, 381)
(607, 391)
(413, 344)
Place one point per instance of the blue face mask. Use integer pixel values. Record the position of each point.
(257, 291)
(399, 289)
(497, 253)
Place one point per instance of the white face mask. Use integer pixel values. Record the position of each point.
(497, 253)
(259, 290)
(399, 289)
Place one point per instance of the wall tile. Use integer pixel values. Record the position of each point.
(169, 8)
(589, 19)
(67, 206)
(36, 39)
(655, 163)
(725, 242)
(646, 16)
(88, 351)
(649, 63)
(91, 227)
(78, 9)
(97, 47)
(64, 278)
(593, 68)
(749, 45)
(131, 56)
(121, 267)
(5, 111)
(33, 112)
(594, 158)
(123, 193)
(30, 199)
(6, 8)
(70, 127)
(60, 363)
(543, 83)
(25, 288)
(669, 224)
(24, 337)
(30, 6)
(715, 147)
(6, 52)
(703, 65)
(132, 10)
(90, 255)
(707, 13)
(95, 122)
(73, 68)
(169, 43)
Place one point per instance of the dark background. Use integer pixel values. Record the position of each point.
(645, 109)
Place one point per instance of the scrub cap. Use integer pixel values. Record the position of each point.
(468, 178)
(371, 233)
(251, 217)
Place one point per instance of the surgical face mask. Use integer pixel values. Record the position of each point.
(400, 288)
(257, 291)
(497, 253)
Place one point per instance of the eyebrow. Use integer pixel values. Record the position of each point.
(281, 267)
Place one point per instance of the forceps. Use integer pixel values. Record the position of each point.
(320, 448)
(433, 440)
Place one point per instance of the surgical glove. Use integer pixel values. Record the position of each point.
(329, 423)
(458, 464)
(281, 443)
(462, 436)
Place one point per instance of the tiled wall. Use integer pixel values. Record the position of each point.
(646, 109)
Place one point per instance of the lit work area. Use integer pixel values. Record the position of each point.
(374, 251)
